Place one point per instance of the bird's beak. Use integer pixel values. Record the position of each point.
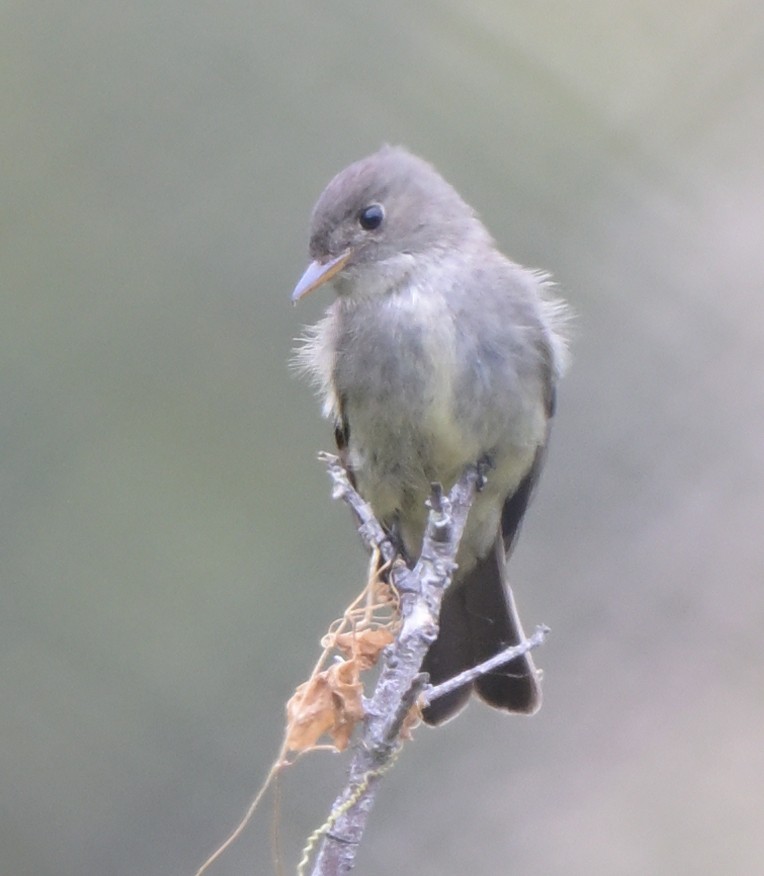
(316, 274)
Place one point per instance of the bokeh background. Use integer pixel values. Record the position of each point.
(170, 553)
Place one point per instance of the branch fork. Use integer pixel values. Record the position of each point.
(400, 684)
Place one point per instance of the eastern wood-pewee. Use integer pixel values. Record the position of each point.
(437, 352)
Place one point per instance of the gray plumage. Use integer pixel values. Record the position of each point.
(437, 352)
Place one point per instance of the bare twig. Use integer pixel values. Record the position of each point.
(369, 528)
(400, 682)
(400, 685)
(469, 675)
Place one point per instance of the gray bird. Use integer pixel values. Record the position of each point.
(438, 352)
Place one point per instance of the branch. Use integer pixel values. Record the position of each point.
(369, 528)
(506, 656)
(400, 682)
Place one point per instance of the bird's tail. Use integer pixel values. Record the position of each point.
(478, 619)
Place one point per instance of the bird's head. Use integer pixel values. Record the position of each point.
(376, 217)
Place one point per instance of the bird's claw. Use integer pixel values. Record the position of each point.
(483, 466)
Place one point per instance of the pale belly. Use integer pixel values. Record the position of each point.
(423, 400)
(396, 463)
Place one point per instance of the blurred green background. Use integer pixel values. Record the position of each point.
(169, 552)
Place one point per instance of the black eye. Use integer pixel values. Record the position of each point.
(371, 217)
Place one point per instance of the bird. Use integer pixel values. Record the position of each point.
(438, 352)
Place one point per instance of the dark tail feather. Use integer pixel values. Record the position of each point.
(495, 626)
(449, 654)
(478, 619)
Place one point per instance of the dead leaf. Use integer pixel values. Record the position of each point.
(364, 645)
(330, 703)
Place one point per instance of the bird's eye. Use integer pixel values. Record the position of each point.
(371, 217)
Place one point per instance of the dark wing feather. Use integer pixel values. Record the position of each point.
(342, 440)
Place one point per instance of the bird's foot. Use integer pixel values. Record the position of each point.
(483, 466)
(394, 533)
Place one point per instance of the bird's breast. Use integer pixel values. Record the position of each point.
(395, 376)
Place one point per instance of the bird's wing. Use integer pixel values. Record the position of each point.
(342, 439)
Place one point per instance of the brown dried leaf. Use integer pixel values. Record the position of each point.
(365, 646)
(310, 713)
(330, 703)
(347, 693)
